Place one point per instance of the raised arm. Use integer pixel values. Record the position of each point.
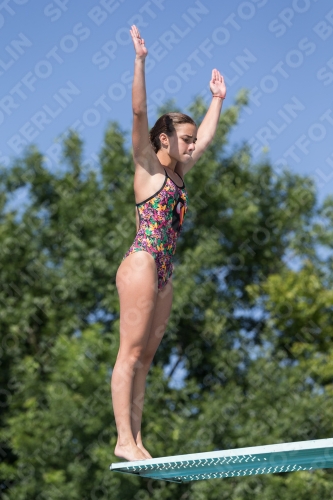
(142, 150)
(208, 126)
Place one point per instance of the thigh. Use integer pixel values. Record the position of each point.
(136, 282)
(160, 320)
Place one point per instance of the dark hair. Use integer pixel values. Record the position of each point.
(166, 124)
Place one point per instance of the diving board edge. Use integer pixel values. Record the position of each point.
(319, 444)
(268, 459)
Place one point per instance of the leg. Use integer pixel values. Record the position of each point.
(136, 282)
(158, 327)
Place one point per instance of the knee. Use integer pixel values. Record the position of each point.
(146, 360)
(132, 360)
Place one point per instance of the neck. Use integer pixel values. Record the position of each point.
(166, 160)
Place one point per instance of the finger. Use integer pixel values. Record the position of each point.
(134, 37)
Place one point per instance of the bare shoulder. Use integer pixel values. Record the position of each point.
(148, 178)
(147, 164)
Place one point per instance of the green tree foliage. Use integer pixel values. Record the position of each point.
(251, 323)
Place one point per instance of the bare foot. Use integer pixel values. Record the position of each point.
(129, 452)
(143, 449)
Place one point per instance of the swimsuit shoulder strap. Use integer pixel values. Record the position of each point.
(180, 177)
(166, 173)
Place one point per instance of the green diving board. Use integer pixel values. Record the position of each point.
(286, 457)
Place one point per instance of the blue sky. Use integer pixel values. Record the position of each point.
(69, 64)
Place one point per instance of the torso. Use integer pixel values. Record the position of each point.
(160, 221)
(147, 183)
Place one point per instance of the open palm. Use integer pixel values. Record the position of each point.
(217, 85)
(139, 43)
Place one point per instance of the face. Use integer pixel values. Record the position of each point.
(182, 142)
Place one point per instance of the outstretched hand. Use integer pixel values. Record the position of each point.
(217, 85)
(139, 43)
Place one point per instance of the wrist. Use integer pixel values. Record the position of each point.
(140, 58)
(219, 96)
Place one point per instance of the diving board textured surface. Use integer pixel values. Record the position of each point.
(286, 457)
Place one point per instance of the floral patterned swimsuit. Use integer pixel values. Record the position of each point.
(161, 219)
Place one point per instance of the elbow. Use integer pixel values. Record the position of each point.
(139, 110)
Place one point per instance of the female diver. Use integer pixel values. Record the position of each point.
(144, 284)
